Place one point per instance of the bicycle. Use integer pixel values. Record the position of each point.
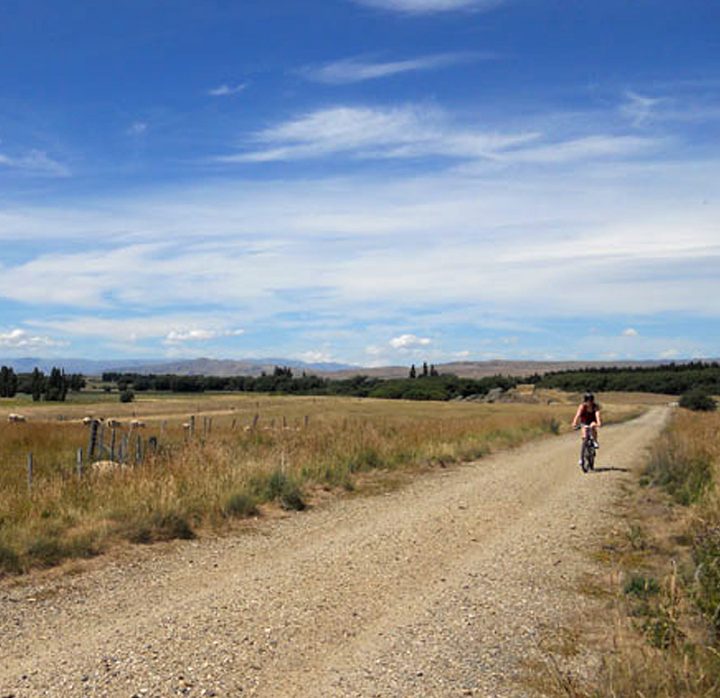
(587, 450)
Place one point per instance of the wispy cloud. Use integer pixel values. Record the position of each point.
(137, 128)
(36, 162)
(350, 70)
(227, 90)
(416, 132)
(640, 108)
(365, 132)
(430, 6)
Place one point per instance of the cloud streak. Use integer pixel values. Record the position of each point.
(352, 70)
(35, 162)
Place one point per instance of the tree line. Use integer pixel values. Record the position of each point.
(669, 379)
(52, 388)
(426, 386)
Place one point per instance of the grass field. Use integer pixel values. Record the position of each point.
(191, 485)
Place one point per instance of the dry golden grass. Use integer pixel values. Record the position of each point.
(660, 635)
(200, 483)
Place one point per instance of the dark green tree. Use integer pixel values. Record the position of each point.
(8, 382)
(37, 384)
(425, 372)
(413, 371)
(56, 386)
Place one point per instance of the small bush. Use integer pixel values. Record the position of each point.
(127, 396)
(698, 400)
(240, 505)
(279, 487)
(160, 527)
(46, 551)
(9, 561)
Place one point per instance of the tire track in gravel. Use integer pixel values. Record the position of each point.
(441, 588)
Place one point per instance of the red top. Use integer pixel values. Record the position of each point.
(588, 415)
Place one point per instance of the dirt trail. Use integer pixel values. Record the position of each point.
(441, 588)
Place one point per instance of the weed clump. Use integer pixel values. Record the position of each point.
(240, 505)
(9, 561)
(160, 527)
(279, 487)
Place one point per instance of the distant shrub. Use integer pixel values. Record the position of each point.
(127, 395)
(698, 400)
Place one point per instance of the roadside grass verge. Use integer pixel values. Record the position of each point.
(660, 631)
(202, 484)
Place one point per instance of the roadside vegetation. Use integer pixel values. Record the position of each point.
(665, 594)
(274, 451)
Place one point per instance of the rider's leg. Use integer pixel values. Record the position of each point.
(594, 436)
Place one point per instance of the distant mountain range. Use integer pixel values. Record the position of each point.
(254, 367)
(187, 367)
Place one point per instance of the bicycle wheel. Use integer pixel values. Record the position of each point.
(590, 456)
(584, 457)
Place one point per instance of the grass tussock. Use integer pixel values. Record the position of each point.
(258, 451)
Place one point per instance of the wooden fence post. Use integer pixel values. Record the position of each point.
(79, 462)
(92, 445)
(30, 471)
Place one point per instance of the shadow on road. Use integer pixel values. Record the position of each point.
(610, 469)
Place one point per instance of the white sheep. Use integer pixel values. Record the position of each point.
(16, 418)
(113, 423)
(136, 424)
(104, 467)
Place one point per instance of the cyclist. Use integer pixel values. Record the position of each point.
(588, 417)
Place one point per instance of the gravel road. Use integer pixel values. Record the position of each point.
(440, 588)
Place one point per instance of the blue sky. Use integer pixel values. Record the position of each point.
(364, 181)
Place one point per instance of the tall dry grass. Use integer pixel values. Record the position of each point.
(666, 638)
(201, 483)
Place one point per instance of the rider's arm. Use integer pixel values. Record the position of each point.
(598, 421)
(576, 418)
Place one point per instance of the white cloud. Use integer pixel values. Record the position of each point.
(630, 332)
(409, 341)
(22, 339)
(430, 6)
(227, 90)
(352, 70)
(199, 335)
(35, 162)
(317, 357)
(364, 132)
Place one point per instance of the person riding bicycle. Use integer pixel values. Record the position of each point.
(588, 417)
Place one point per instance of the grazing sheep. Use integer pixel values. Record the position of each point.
(16, 418)
(136, 424)
(113, 423)
(104, 467)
